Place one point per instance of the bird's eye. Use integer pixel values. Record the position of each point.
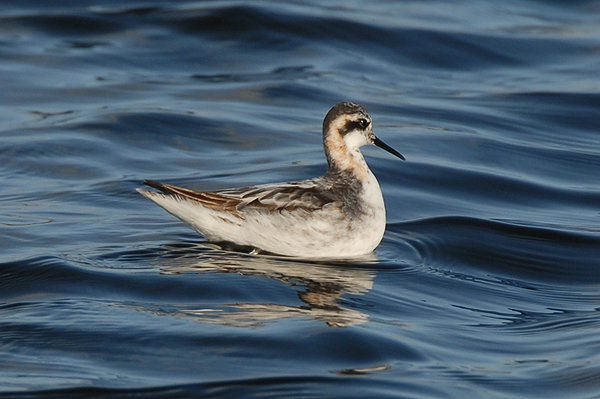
(363, 123)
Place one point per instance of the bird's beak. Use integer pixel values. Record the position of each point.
(386, 147)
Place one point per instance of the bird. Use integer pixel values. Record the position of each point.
(340, 214)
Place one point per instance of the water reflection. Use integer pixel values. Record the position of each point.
(323, 286)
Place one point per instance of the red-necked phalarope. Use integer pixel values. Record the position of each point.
(338, 215)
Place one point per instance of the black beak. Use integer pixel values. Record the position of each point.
(386, 147)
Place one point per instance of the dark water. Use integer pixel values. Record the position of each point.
(487, 283)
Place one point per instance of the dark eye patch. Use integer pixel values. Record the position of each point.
(360, 124)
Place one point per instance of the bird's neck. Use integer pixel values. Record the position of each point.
(343, 159)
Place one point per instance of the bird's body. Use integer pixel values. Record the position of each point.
(339, 214)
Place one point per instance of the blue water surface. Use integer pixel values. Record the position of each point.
(487, 282)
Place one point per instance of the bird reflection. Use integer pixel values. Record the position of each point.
(324, 285)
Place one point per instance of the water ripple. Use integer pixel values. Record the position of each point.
(505, 249)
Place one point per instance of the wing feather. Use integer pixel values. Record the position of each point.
(305, 195)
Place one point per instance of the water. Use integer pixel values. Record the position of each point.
(486, 284)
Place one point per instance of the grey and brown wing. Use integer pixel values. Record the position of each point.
(304, 195)
(210, 200)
